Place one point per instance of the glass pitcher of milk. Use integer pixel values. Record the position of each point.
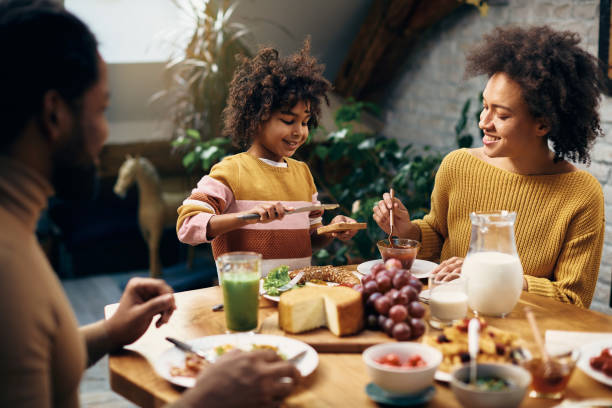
(492, 266)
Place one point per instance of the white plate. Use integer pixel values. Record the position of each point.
(420, 268)
(289, 347)
(593, 350)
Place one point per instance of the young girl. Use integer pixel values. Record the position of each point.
(272, 104)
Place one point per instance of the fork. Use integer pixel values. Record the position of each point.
(292, 282)
(296, 358)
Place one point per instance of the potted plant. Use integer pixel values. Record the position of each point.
(198, 72)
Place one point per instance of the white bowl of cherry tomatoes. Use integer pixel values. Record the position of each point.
(402, 368)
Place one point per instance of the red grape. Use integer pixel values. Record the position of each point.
(379, 267)
(418, 327)
(358, 288)
(402, 332)
(383, 282)
(372, 321)
(382, 305)
(392, 262)
(367, 278)
(398, 313)
(401, 279)
(416, 309)
(372, 298)
(402, 299)
(370, 287)
(391, 273)
(381, 321)
(395, 297)
(415, 283)
(391, 292)
(410, 293)
(388, 326)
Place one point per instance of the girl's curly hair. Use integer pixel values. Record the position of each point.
(560, 82)
(266, 83)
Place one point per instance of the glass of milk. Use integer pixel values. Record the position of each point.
(448, 301)
(492, 265)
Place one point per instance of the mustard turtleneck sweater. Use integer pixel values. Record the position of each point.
(559, 228)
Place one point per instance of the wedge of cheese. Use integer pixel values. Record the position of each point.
(338, 308)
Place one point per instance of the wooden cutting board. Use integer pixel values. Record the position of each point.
(324, 341)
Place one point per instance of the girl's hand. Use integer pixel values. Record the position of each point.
(267, 212)
(401, 217)
(448, 270)
(344, 235)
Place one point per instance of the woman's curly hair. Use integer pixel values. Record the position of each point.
(266, 83)
(560, 82)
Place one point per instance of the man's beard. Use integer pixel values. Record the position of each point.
(75, 175)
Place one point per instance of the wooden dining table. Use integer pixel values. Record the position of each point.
(340, 378)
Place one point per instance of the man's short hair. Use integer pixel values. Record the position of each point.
(43, 47)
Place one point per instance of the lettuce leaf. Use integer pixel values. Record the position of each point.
(276, 278)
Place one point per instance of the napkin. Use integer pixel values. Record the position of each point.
(561, 342)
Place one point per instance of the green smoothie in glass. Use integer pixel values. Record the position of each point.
(241, 300)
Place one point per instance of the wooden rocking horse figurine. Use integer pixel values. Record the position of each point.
(156, 209)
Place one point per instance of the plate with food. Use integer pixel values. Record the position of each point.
(496, 346)
(282, 279)
(181, 368)
(596, 361)
(420, 268)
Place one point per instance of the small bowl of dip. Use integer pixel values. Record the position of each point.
(403, 249)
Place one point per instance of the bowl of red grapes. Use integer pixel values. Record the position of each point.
(390, 295)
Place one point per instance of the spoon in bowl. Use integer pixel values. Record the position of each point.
(392, 194)
(548, 366)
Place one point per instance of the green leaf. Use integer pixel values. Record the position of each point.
(189, 159)
(366, 144)
(194, 134)
(208, 153)
(321, 151)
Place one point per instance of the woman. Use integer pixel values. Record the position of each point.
(540, 112)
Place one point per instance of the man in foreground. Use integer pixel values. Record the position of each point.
(54, 95)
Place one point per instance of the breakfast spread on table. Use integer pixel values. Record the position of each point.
(495, 345)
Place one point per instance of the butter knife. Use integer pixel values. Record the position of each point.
(308, 208)
(187, 347)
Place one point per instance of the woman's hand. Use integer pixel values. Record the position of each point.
(448, 270)
(402, 226)
(255, 379)
(344, 235)
(142, 300)
(267, 213)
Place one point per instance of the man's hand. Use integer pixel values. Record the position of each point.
(255, 379)
(143, 299)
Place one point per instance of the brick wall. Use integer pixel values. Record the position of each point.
(427, 97)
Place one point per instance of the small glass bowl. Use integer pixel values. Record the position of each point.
(404, 250)
(550, 381)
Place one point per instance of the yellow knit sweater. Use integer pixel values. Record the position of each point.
(559, 228)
